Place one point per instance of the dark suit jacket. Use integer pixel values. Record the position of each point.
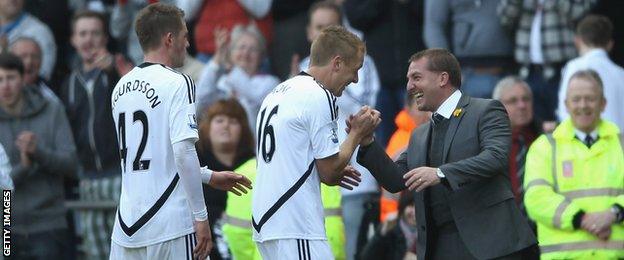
(475, 163)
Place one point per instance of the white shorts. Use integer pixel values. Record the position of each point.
(291, 249)
(177, 248)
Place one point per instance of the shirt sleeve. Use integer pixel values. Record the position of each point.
(182, 119)
(321, 120)
(5, 171)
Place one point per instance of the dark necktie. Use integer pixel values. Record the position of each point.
(589, 141)
(436, 118)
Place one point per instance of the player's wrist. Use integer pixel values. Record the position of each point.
(206, 174)
(201, 215)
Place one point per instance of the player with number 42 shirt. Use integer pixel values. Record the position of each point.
(153, 107)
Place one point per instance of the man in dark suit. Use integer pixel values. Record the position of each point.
(456, 164)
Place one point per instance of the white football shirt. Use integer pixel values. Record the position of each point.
(297, 124)
(153, 107)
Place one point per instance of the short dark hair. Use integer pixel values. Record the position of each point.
(156, 20)
(325, 4)
(441, 60)
(595, 30)
(10, 61)
(90, 14)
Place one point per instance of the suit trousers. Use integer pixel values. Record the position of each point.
(449, 245)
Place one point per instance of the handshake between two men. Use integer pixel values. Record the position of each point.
(364, 124)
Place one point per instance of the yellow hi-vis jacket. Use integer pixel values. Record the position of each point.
(237, 227)
(238, 230)
(334, 226)
(581, 178)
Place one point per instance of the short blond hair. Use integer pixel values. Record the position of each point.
(335, 41)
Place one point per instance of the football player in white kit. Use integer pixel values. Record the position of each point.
(298, 148)
(161, 214)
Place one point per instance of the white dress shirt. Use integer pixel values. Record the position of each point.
(449, 105)
(446, 110)
(612, 77)
(535, 44)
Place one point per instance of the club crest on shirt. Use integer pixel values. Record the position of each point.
(334, 136)
(192, 121)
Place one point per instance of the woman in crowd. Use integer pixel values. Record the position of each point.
(225, 142)
(233, 71)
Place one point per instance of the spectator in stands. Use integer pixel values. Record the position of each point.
(214, 15)
(396, 238)
(392, 31)
(472, 32)
(593, 41)
(225, 143)
(516, 96)
(56, 15)
(29, 52)
(544, 42)
(15, 23)
(233, 71)
(86, 95)
(574, 179)
(360, 206)
(38, 142)
(611, 9)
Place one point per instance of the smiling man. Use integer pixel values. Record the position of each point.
(578, 208)
(85, 94)
(456, 164)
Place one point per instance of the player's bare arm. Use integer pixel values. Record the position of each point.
(350, 178)
(331, 169)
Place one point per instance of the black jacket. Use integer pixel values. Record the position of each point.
(392, 32)
(390, 246)
(90, 118)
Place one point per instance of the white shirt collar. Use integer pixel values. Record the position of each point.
(449, 105)
(596, 52)
(582, 135)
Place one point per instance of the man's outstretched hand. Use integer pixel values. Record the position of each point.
(350, 178)
(230, 181)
